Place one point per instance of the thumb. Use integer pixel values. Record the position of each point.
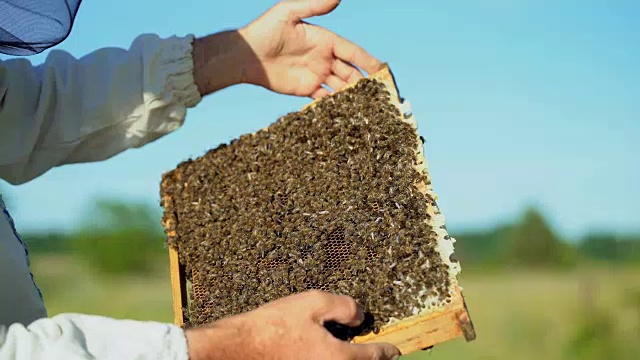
(302, 9)
(323, 306)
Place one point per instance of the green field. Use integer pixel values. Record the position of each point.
(590, 313)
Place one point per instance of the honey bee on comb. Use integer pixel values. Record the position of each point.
(334, 197)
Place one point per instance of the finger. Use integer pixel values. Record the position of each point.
(342, 309)
(320, 93)
(335, 82)
(349, 52)
(303, 9)
(377, 351)
(346, 71)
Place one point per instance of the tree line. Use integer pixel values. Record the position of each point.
(123, 237)
(531, 242)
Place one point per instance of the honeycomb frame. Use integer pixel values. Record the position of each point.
(435, 323)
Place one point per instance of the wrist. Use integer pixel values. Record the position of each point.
(203, 343)
(221, 60)
(195, 344)
(219, 341)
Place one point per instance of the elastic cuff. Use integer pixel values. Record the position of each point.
(169, 82)
(176, 344)
(177, 63)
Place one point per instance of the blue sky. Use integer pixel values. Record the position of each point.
(521, 102)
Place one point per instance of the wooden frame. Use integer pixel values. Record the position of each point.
(417, 332)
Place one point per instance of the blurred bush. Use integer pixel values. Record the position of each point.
(533, 243)
(119, 237)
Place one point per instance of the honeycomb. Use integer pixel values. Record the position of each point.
(324, 198)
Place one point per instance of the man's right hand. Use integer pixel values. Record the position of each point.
(288, 328)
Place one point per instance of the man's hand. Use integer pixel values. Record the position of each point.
(283, 53)
(296, 57)
(289, 328)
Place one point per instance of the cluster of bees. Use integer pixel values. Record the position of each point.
(324, 198)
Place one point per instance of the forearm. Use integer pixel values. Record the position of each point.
(202, 348)
(224, 339)
(222, 60)
(92, 337)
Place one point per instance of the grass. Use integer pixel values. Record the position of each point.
(543, 315)
(591, 313)
(69, 287)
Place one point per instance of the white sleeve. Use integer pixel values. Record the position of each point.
(70, 110)
(75, 336)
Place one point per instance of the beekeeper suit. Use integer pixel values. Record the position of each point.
(55, 114)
